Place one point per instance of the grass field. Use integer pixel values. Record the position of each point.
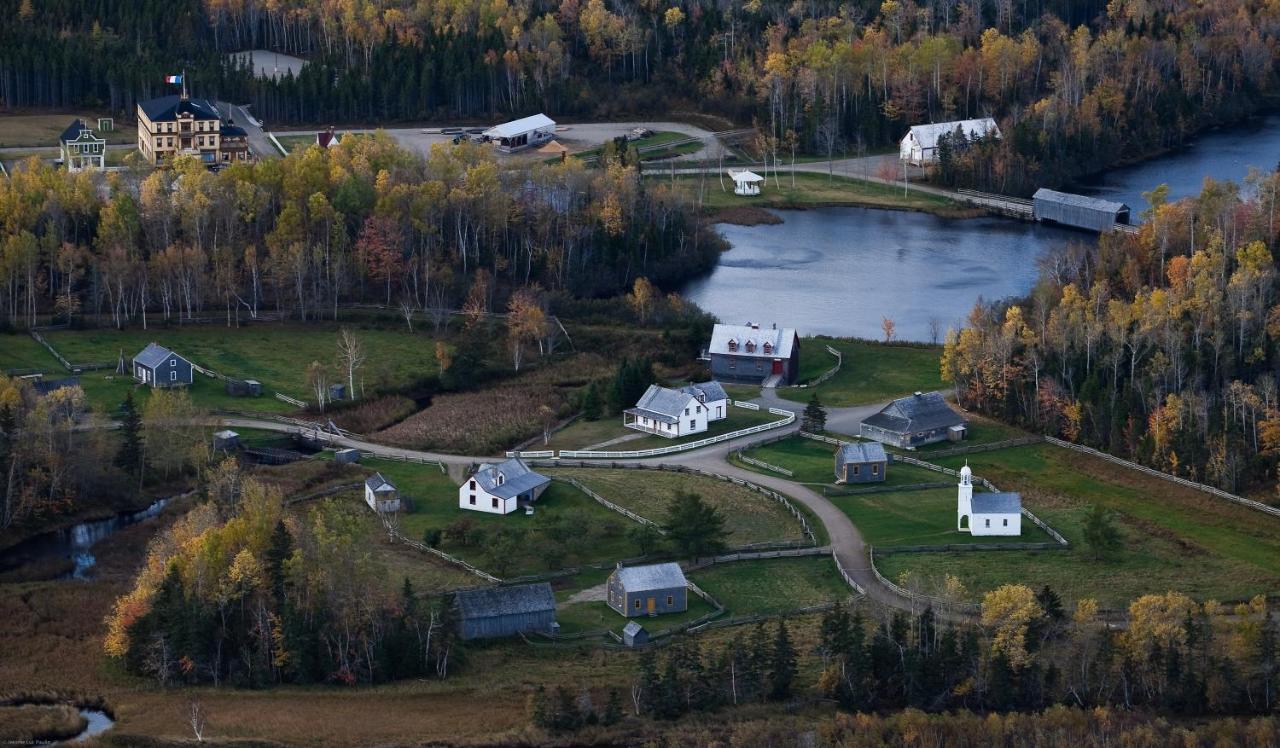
(599, 534)
(776, 585)
(597, 615)
(925, 517)
(276, 355)
(814, 462)
(36, 130)
(872, 372)
(811, 190)
(980, 430)
(582, 433)
(1175, 538)
(749, 517)
(297, 141)
(657, 139)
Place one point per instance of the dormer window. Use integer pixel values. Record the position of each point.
(768, 348)
(751, 346)
(501, 479)
(733, 344)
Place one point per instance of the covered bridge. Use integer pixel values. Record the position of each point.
(1078, 211)
(494, 612)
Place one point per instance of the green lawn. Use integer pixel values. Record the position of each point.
(810, 190)
(738, 418)
(583, 433)
(749, 517)
(658, 138)
(597, 616)
(35, 130)
(19, 351)
(1175, 538)
(980, 431)
(925, 517)
(597, 534)
(814, 462)
(872, 372)
(768, 586)
(276, 355)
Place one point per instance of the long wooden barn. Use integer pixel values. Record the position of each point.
(493, 612)
(1078, 211)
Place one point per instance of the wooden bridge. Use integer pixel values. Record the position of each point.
(1017, 207)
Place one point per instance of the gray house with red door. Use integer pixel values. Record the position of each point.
(752, 354)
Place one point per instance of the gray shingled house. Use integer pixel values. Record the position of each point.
(915, 420)
(747, 353)
(158, 366)
(494, 612)
(648, 590)
(861, 462)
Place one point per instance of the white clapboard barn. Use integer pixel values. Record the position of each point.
(919, 147)
(500, 488)
(986, 513)
(667, 412)
(381, 494)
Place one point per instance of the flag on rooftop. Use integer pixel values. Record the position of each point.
(173, 79)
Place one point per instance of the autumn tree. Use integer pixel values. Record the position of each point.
(526, 322)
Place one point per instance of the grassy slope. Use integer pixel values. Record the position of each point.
(814, 462)
(872, 372)
(37, 130)
(1175, 538)
(772, 585)
(750, 517)
(811, 190)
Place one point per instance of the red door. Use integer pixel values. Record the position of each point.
(777, 366)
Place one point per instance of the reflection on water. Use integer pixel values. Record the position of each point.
(839, 271)
(75, 543)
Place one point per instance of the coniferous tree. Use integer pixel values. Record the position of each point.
(591, 405)
(782, 664)
(129, 457)
(694, 527)
(814, 418)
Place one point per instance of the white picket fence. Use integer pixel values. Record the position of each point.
(545, 454)
(787, 419)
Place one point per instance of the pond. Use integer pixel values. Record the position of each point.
(840, 271)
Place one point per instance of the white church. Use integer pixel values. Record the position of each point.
(987, 513)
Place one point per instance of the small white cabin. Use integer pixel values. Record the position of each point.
(667, 412)
(501, 488)
(381, 494)
(745, 183)
(919, 146)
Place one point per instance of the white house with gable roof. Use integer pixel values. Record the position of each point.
(919, 147)
(986, 513)
(667, 412)
(499, 488)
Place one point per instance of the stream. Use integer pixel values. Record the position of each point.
(74, 543)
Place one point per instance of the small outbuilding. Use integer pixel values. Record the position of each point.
(745, 182)
(912, 421)
(861, 462)
(634, 635)
(666, 412)
(381, 494)
(346, 456)
(522, 133)
(500, 488)
(1078, 211)
(494, 612)
(226, 440)
(337, 392)
(157, 366)
(648, 590)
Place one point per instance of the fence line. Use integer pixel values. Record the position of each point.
(395, 533)
(829, 373)
(1021, 441)
(762, 464)
(543, 454)
(787, 419)
(845, 575)
(73, 368)
(822, 438)
(323, 492)
(746, 405)
(970, 608)
(1242, 501)
(758, 555)
(829, 491)
(602, 501)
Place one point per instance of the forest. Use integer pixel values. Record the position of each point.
(366, 222)
(1160, 346)
(1076, 86)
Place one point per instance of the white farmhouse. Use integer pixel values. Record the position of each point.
(987, 513)
(712, 397)
(666, 412)
(499, 488)
(919, 146)
(381, 495)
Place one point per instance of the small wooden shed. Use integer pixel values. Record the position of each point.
(381, 494)
(226, 440)
(346, 456)
(648, 590)
(861, 462)
(634, 635)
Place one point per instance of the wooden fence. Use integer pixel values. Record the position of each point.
(395, 533)
(830, 491)
(1021, 441)
(602, 501)
(787, 418)
(829, 373)
(928, 600)
(845, 574)
(1242, 501)
(330, 491)
(73, 368)
(762, 464)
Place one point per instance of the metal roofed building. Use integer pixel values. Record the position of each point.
(667, 412)
(861, 462)
(920, 145)
(522, 133)
(986, 513)
(499, 488)
(912, 421)
(381, 494)
(748, 353)
(712, 396)
(494, 612)
(648, 590)
(1078, 211)
(158, 366)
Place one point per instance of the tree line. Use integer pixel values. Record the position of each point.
(366, 221)
(1160, 346)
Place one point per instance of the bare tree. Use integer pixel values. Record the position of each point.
(318, 382)
(935, 329)
(889, 327)
(352, 356)
(406, 311)
(196, 716)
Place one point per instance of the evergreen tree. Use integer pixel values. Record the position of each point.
(648, 680)
(694, 527)
(129, 457)
(612, 708)
(782, 665)
(591, 404)
(1100, 532)
(814, 418)
(278, 553)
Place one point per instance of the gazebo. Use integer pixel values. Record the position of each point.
(746, 182)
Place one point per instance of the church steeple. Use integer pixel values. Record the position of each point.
(964, 500)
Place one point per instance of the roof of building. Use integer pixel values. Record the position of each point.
(167, 108)
(923, 411)
(780, 340)
(376, 482)
(861, 452)
(45, 386)
(745, 175)
(520, 126)
(228, 130)
(491, 602)
(226, 434)
(508, 478)
(1079, 201)
(662, 404)
(651, 577)
(996, 503)
(154, 355)
(711, 391)
(927, 135)
(73, 131)
(632, 628)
